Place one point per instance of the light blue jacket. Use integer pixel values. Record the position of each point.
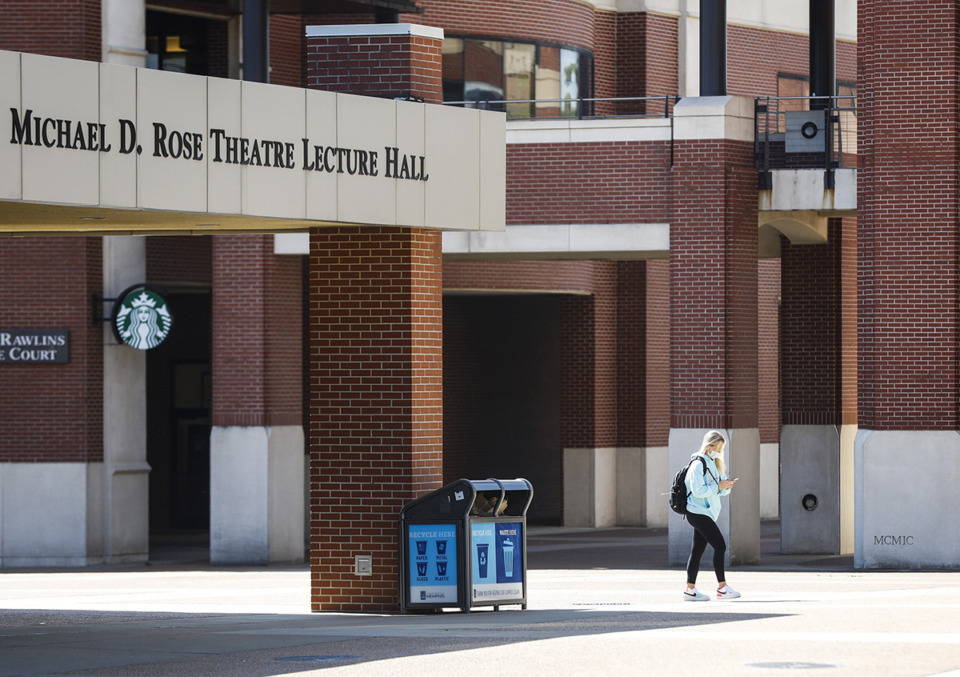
(705, 492)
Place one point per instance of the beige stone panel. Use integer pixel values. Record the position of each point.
(274, 121)
(322, 133)
(224, 178)
(60, 89)
(493, 172)
(453, 148)
(118, 111)
(411, 137)
(171, 116)
(366, 124)
(10, 153)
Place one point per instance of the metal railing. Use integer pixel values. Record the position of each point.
(808, 132)
(577, 109)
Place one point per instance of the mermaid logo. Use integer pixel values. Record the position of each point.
(141, 319)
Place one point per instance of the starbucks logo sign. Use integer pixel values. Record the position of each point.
(141, 318)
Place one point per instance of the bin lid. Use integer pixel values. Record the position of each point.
(459, 499)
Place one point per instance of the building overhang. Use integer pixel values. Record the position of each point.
(565, 242)
(100, 148)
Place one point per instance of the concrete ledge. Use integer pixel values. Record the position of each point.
(415, 30)
(611, 241)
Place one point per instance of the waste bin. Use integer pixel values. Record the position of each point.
(465, 545)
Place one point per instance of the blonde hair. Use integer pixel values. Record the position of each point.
(712, 438)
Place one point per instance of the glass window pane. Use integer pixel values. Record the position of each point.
(518, 63)
(452, 52)
(483, 70)
(548, 82)
(570, 82)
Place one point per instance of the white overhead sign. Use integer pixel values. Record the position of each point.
(99, 136)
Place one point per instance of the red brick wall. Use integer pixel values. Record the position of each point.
(287, 65)
(810, 340)
(848, 319)
(179, 260)
(661, 66)
(605, 47)
(285, 338)
(658, 353)
(713, 286)
(384, 66)
(907, 215)
(631, 354)
(755, 56)
(613, 182)
(768, 331)
(376, 403)
(588, 363)
(53, 413)
(67, 28)
(256, 333)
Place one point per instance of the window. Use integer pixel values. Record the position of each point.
(530, 79)
(178, 43)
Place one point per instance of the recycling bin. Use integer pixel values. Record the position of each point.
(465, 545)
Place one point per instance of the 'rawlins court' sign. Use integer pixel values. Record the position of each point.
(87, 135)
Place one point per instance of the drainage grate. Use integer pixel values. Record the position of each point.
(316, 659)
(791, 665)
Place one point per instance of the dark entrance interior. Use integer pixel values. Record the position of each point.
(501, 394)
(179, 391)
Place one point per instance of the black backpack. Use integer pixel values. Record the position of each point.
(678, 492)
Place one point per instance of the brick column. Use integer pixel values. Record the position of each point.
(376, 424)
(393, 61)
(257, 464)
(907, 205)
(713, 300)
(376, 367)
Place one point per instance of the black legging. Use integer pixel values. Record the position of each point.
(705, 530)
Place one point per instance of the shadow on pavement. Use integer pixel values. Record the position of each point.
(42, 642)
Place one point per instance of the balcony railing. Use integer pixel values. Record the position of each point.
(804, 133)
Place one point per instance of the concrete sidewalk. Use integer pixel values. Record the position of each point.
(600, 602)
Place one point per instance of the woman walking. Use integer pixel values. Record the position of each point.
(706, 482)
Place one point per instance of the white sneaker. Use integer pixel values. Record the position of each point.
(694, 595)
(726, 592)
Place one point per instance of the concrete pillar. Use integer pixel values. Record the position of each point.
(907, 450)
(713, 299)
(125, 485)
(125, 482)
